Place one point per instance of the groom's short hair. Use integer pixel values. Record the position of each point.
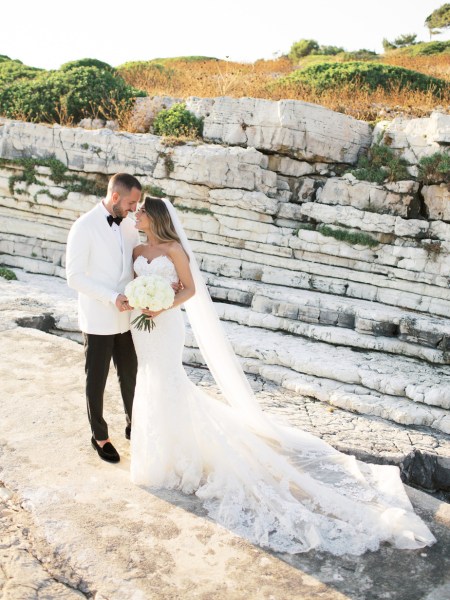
(123, 182)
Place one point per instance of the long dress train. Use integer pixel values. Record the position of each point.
(289, 496)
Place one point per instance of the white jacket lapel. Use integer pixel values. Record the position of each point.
(106, 236)
(128, 243)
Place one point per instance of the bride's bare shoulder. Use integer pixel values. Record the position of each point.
(175, 249)
(138, 250)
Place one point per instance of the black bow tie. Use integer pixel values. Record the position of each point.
(116, 220)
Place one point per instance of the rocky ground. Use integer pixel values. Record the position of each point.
(74, 527)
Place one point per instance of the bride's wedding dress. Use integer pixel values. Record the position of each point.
(278, 487)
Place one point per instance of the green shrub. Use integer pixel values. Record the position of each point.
(141, 64)
(86, 62)
(304, 226)
(7, 274)
(3, 58)
(381, 164)
(435, 168)
(153, 190)
(11, 71)
(432, 48)
(328, 50)
(351, 237)
(422, 49)
(362, 54)
(364, 75)
(59, 174)
(72, 94)
(177, 121)
(190, 209)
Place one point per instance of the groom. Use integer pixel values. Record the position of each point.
(99, 265)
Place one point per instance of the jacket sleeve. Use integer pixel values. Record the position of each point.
(77, 262)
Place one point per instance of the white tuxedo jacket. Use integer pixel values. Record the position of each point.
(99, 269)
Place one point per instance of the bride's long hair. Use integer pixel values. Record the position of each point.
(161, 223)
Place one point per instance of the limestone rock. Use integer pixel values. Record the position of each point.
(349, 216)
(289, 127)
(256, 201)
(217, 167)
(97, 151)
(413, 139)
(91, 123)
(397, 198)
(437, 201)
(294, 168)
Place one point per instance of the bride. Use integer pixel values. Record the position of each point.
(279, 487)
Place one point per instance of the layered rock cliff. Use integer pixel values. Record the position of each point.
(330, 286)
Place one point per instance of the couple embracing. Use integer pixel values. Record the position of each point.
(279, 487)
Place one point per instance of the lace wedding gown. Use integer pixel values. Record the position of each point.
(291, 496)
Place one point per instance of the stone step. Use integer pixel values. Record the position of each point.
(335, 336)
(306, 275)
(410, 390)
(410, 264)
(434, 286)
(329, 318)
(35, 266)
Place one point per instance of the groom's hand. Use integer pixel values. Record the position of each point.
(122, 303)
(177, 287)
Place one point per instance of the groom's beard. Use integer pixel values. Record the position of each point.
(118, 211)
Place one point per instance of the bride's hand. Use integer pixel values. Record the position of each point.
(151, 313)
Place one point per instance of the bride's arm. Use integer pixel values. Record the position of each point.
(137, 251)
(181, 262)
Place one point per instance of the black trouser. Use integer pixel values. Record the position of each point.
(99, 349)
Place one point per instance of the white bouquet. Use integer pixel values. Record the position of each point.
(152, 292)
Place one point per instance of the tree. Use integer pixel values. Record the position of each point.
(387, 45)
(407, 39)
(329, 50)
(302, 48)
(439, 19)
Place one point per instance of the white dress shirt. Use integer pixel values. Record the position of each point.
(114, 227)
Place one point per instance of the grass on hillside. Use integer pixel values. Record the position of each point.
(181, 78)
(436, 65)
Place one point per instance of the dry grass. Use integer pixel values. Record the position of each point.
(205, 79)
(366, 105)
(436, 65)
(181, 79)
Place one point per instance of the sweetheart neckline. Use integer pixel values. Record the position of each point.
(153, 259)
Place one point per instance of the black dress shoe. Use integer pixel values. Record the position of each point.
(128, 432)
(108, 452)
